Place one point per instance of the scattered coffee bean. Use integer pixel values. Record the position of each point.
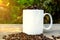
(24, 36)
(54, 37)
(58, 37)
(4, 37)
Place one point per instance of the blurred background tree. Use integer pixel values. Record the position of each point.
(11, 10)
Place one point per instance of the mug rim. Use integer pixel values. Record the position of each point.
(33, 9)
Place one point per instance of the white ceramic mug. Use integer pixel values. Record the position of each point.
(33, 21)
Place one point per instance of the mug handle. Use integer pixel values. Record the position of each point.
(50, 22)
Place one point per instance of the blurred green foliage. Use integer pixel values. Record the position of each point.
(13, 13)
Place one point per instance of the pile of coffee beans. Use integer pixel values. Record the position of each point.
(24, 36)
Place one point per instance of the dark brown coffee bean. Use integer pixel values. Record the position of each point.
(11, 35)
(24, 36)
(12, 39)
(7, 38)
(38, 38)
(58, 37)
(4, 37)
(41, 35)
(54, 37)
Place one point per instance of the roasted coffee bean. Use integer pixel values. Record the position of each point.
(41, 35)
(54, 37)
(7, 38)
(24, 36)
(4, 37)
(11, 35)
(38, 38)
(58, 37)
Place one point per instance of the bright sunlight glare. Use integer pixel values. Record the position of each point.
(7, 4)
(0, 1)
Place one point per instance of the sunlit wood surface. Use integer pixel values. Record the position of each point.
(15, 28)
(10, 27)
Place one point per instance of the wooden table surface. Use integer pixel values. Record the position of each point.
(55, 30)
